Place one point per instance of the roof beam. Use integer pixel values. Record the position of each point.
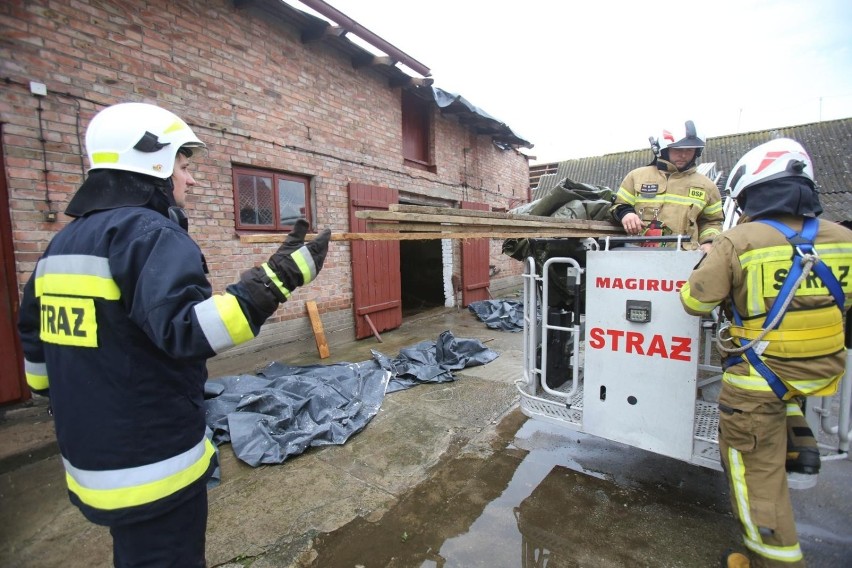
(370, 60)
(317, 33)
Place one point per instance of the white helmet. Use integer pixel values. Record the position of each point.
(687, 137)
(137, 137)
(775, 159)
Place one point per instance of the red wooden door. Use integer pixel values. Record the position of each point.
(376, 286)
(12, 383)
(474, 260)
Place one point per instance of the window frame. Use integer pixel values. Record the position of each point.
(276, 176)
(416, 126)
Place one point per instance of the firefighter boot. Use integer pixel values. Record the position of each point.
(732, 559)
(802, 450)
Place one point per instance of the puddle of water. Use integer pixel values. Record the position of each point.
(529, 505)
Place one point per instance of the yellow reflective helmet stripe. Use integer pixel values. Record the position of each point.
(117, 489)
(223, 322)
(104, 158)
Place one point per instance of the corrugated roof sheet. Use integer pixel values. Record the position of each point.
(829, 144)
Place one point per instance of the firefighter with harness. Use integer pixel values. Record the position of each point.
(782, 278)
(669, 196)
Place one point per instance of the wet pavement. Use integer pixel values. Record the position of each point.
(446, 475)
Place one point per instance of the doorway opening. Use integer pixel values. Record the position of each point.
(422, 273)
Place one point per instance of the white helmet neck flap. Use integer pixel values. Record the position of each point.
(776, 159)
(137, 137)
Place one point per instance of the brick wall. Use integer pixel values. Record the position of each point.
(255, 94)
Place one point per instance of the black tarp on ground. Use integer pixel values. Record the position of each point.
(285, 409)
(505, 315)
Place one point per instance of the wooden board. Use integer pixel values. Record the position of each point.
(319, 333)
(416, 222)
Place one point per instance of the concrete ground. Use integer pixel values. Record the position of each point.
(273, 510)
(445, 475)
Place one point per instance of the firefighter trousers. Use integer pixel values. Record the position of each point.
(753, 447)
(175, 539)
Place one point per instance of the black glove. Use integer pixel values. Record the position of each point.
(294, 264)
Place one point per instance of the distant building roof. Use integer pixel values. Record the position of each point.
(829, 144)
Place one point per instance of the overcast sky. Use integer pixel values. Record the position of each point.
(580, 78)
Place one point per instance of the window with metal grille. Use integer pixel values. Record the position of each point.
(416, 131)
(270, 201)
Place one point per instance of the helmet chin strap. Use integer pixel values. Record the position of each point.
(176, 213)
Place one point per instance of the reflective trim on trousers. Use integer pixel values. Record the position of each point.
(130, 487)
(752, 538)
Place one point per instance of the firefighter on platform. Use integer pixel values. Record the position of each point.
(117, 322)
(782, 278)
(669, 197)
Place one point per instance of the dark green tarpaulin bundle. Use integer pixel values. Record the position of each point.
(567, 200)
(571, 200)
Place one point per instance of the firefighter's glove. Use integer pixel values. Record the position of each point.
(294, 264)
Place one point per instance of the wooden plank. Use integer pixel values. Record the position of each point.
(373, 329)
(515, 221)
(420, 236)
(319, 333)
(441, 227)
(452, 212)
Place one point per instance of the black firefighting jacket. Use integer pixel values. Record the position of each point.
(116, 324)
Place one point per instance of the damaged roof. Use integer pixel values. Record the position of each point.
(829, 144)
(336, 29)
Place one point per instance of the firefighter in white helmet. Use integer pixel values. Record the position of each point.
(117, 322)
(669, 197)
(783, 279)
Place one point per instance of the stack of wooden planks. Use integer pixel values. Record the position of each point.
(416, 222)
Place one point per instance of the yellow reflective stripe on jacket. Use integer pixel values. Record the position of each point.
(223, 322)
(813, 387)
(275, 280)
(750, 382)
(793, 409)
(707, 233)
(36, 374)
(305, 262)
(693, 303)
(75, 275)
(713, 209)
(666, 198)
(833, 331)
(120, 488)
(752, 538)
(627, 196)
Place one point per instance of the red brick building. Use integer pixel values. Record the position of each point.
(298, 121)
